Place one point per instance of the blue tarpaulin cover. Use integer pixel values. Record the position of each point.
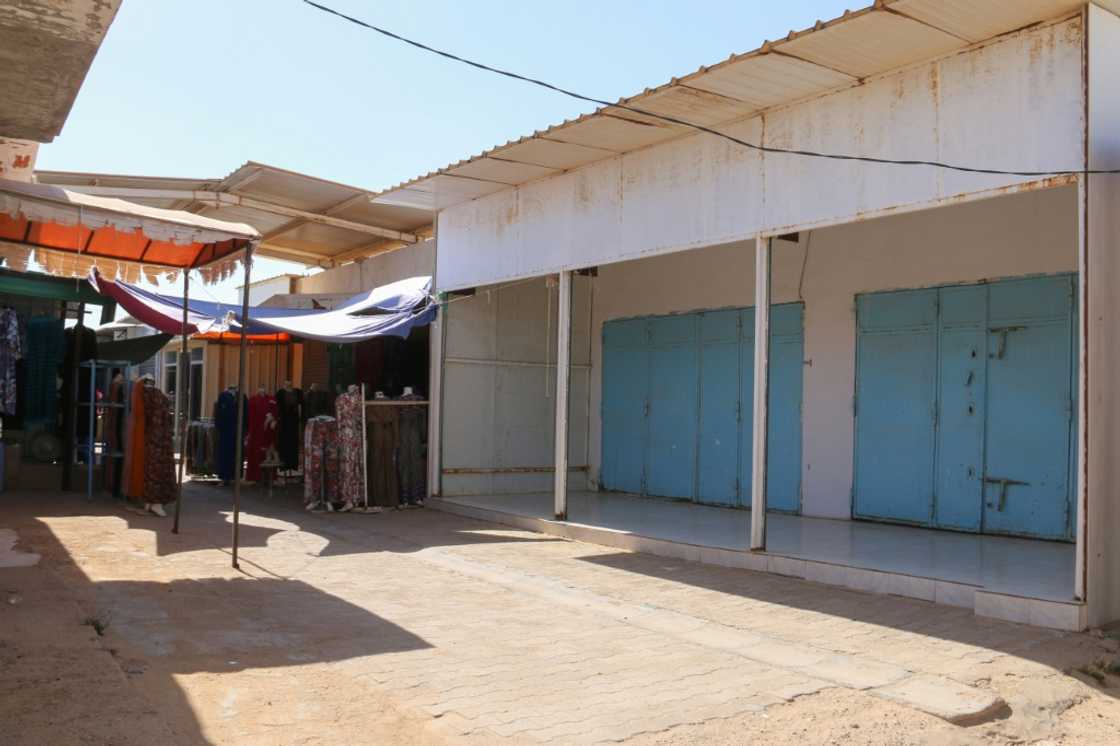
(389, 310)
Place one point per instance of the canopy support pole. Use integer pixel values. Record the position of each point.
(761, 391)
(563, 380)
(183, 391)
(240, 407)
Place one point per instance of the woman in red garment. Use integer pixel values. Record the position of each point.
(263, 416)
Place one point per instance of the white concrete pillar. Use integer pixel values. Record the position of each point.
(1080, 481)
(761, 391)
(1098, 549)
(435, 402)
(563, 378)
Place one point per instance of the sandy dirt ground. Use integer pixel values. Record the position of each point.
(422, 628)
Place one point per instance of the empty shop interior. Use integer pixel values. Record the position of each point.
(923, 374)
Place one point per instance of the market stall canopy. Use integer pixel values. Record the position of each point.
(107, 230)
(389, 310)
(45, 287)
(134, 351)
(302, 218)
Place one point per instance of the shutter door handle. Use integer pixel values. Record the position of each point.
(1003, 485)
(1003, 331)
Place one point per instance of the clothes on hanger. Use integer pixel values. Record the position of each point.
(317, 402)
(113, 423)
(263, 416)
(225, 419)
(411, 454)
(382, 435)
(46, 344)
(348, 413)
(159, 456)
(320, 461)
(86, 339)
(202, 448)
(289, 402)
(134, 467)
(10, 352)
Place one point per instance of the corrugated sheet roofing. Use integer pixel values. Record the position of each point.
(829, 56)
(254, 189)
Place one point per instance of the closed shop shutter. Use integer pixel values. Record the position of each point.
(964, 407)
(678, 402)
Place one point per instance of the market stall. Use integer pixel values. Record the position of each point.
(70, 234)
(351, 440)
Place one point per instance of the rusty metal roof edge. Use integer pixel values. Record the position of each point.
(767, 47)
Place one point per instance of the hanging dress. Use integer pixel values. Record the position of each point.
(136, 444)
(225, 418)
(351, 477)
(289, 402)
(320, 461)
(262, 433)
(159, 457)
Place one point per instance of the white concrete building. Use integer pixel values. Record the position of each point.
(939, 343)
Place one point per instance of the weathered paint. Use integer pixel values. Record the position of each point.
(48, 47)
(1101, 405)
(17, 159)
(678, 397)
(1026, 234)
(699, 190)
(418, 259)
(964, 416)
(499, 388)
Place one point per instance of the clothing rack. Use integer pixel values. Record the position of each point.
(91, 441)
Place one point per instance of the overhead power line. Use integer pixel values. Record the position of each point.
(698, 127)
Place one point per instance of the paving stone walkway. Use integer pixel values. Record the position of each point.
(486, 633)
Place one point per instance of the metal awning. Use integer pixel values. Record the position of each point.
(90, 230)
(301, 218)
(829, 56)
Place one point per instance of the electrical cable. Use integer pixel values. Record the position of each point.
(700, 127)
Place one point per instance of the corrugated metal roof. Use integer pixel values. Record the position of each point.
(302, 218)
(829, 56)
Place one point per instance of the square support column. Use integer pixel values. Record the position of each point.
(761, 391)
(435, 402)
(1099, 519)
(563, 379)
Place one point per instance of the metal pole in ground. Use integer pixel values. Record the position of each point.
(182, 393)
(238, 454)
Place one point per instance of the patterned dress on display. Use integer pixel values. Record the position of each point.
(159, 457)
(10, 351)
(348, 411)
(320, 461)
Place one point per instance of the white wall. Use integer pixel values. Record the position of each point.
(1030, 233)
(411, 261)
(1103, 335)
(262, 290)
(499, 386)
(1016, 104)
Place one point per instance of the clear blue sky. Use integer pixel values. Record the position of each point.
(197, 87)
